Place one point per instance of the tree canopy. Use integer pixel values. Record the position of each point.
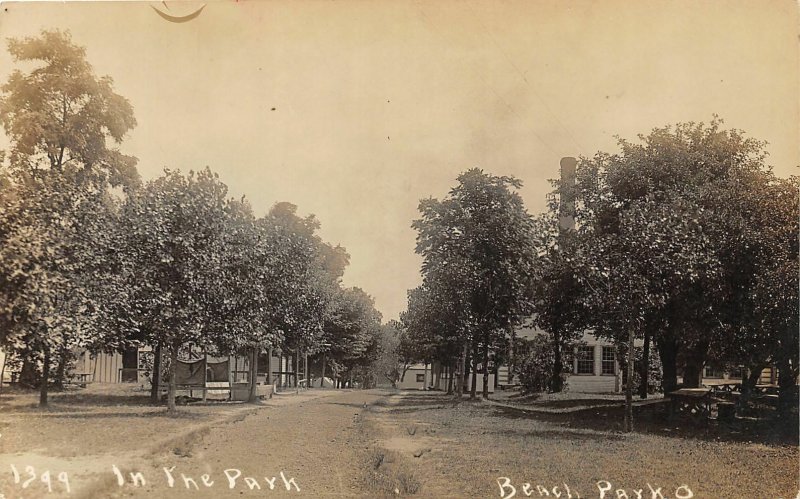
(479, 258)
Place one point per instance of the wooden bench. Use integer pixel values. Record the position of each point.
(80, 379)
(190, 388)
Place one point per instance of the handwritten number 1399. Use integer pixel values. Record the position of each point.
(30, 473)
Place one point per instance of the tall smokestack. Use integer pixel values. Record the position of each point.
(566, 211)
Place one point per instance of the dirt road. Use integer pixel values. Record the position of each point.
(308, 448)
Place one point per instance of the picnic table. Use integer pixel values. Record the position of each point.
(724, 385)
(725, 389)
(696, 402)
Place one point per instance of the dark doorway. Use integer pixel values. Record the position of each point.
(130, 365)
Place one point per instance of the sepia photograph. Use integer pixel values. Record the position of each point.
(395, 248)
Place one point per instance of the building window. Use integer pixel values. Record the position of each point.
(608, 361)
(712, 372)
(420, 378)
(584, 360)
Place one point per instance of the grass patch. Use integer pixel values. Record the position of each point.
(389, 474)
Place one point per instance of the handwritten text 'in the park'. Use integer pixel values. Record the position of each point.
(58, 482)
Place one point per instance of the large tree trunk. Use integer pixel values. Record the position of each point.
(61, 369)
(556, 383)
(156, 377)
(787, 386)
(749, 381)
(425, 377)
(462, 376)
(269, 367)
(280, 370)
(486, 365)
(322, 380)
(473, 374)
(628, 423)
(645, 367)
(43, 386)
(297, 370)
(695, 361)
(437, 369)
(403, 374)
(449, 374)
(511, 354)
(305, 370)
(173, 364)
(3, 370)
(28, 375)
(668, 353)
(252, 396)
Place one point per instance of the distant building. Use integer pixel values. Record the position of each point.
(434, 377)
(594, 367)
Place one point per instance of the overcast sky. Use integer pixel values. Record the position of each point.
(355, 110)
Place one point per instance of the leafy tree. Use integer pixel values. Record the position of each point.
(423, 324)
(435, 326)
(303, 280)
(60, 115)
(385, 363)
(667, 228)
(558, 306)
(775, 316)
(55, 226)
(379, 362)
(349, 329)
(176, 227)
(477, 247)
(299, 281)
(245, 305)
(407, 352)
(53, 241)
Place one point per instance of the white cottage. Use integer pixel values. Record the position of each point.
(420, 377)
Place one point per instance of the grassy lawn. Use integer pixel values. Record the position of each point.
(448, 449)
(101, 419)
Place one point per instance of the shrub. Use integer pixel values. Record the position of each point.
(536, 369)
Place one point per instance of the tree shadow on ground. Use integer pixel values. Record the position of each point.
(420, 402)
(418, 408)
(573, 435)
(431, 398)
(648, 419)
(653, 420)
(568, 404)
(345, 404)
(100, 399)
(20, 398)
(138, 415)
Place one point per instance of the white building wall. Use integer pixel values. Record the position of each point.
(596, 382)
(410, 380)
